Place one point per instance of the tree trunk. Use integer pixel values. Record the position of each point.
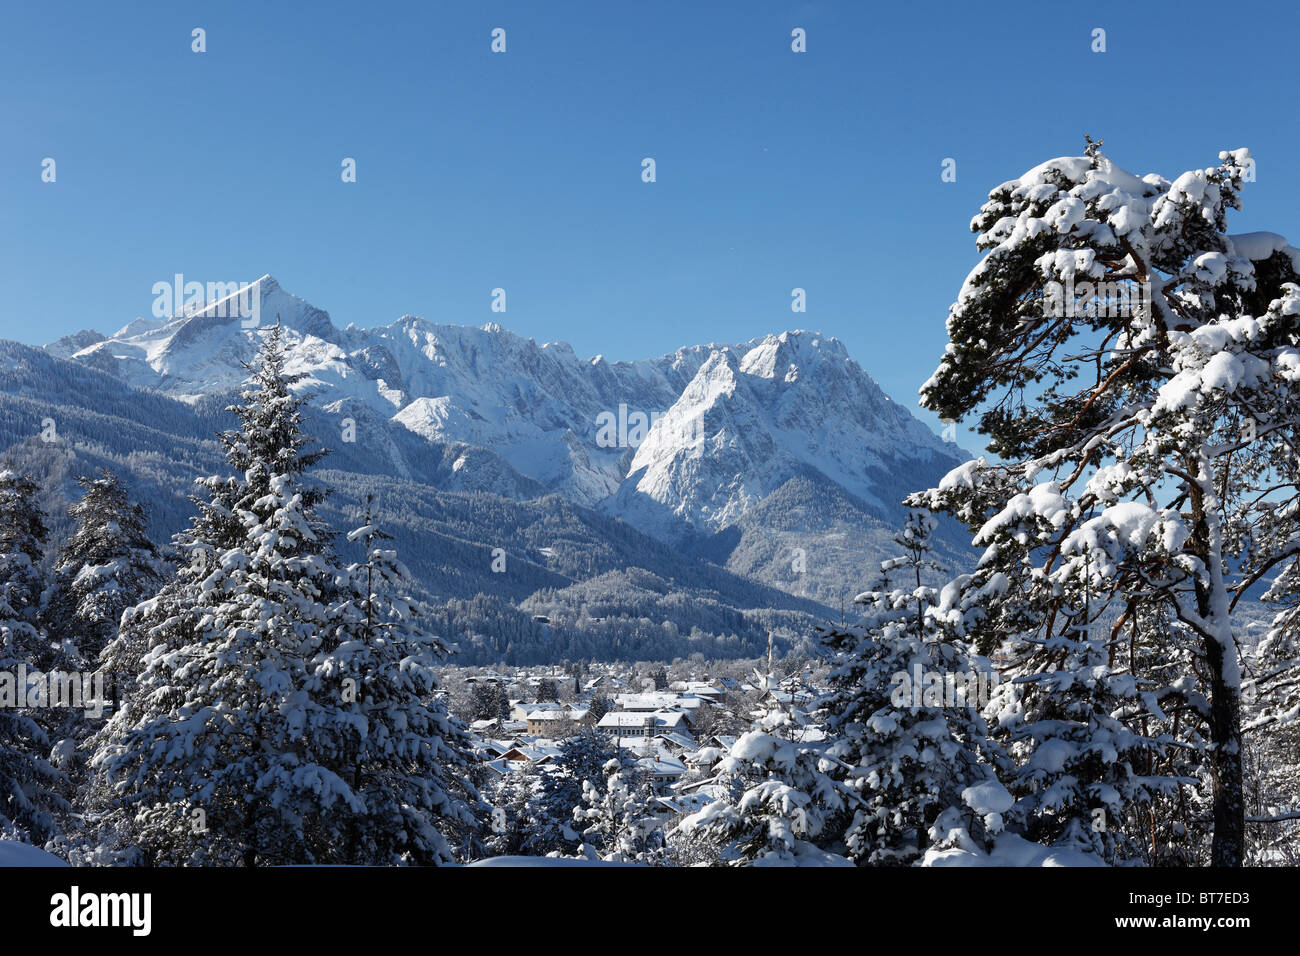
(1225, 764)
(1228, 847)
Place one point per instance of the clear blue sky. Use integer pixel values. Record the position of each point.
(523, 170)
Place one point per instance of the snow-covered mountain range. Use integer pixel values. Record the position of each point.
(682, 447)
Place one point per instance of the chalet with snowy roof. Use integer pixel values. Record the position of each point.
(674, 743)
(787, 698)
(557, 724)
(521, 709)
(663, 772)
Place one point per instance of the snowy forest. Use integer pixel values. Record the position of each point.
(1092, 690)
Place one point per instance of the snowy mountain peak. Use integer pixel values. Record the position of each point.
(753, 418)
(781, 356)
(203, 336)
(688, 440)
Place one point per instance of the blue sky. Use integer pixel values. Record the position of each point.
(522, 170)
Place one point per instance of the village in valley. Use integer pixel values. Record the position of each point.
(667, 727)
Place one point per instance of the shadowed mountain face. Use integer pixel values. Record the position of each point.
(748, 486)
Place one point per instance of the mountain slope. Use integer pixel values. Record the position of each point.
(562, 561)
(683, 446)
(755, 417)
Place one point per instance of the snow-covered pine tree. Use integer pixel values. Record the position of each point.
(615, 819)
(24, 583)
(1273, 708)
(403, 755)
(903, 714)
(582, 758)
(214, 529)
(514, 799)
(222, 754)
(1274, 681)
(1273, 794)
(783, 803)
(1159, 652)
(1113, 340)
(107, 565)
(1085, 774)
(31, 789)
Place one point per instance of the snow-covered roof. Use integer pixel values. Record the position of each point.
(615, 718)
(618, 718)
(655, 700)
(539, 715)
(679, 741)
(661, 766)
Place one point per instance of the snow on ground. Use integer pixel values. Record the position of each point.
(542, 861)
(13, 853)
(1011, 850)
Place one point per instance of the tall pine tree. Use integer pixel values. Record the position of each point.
(31, 789)
(904, 716)
(106, 566)
(404, 757)
(223, 754)
(1121, 349)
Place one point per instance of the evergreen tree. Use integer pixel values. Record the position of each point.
(598, 708)
(491, 702)
(615, 818)
(514, 820)
(214, 529)
(904, 717)
(402, 754)
(31, 789)
(782, 801)
(227, 681)
(582, 758)
(107, 565)
(1122, 350)
(547, 691)
(24, 584)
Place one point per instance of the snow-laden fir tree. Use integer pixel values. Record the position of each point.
(1114, 341)
(1086, 777)
(214, 529)
(24, 582)
(1172, 712)
(1274, 681)
(582, 758)
(31, 789)
(404, 757)
(783, 803)
(1273, 710)
(1273, 795)
(223, 754)
(1078, 715)
(107, 565)
(514, 823)
(903, 713)
(615, 816)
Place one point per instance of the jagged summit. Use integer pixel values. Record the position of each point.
(683, 444)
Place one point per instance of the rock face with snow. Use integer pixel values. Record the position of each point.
(682, 446)
(757, 415)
